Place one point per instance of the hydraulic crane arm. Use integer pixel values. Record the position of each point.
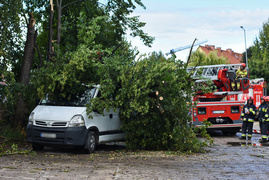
(172, 51)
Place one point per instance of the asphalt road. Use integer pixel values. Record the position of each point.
(228, 158)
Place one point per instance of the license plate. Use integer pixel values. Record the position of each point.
(47, 135)
(218, 112)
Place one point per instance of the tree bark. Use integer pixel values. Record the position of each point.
(29, 51)
(59, 22)
(26, 67)
(50, 52)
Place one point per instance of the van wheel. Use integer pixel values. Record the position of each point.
(90, 142)
(37, 147)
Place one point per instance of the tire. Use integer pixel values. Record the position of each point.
(91, 142)
(37, 147)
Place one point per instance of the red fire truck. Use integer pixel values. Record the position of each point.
(215, 107)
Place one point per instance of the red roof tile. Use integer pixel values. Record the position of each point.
(233, 57)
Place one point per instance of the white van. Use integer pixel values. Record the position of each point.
(64, 122)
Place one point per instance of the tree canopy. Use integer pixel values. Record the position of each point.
(259, 56)
(199, 58)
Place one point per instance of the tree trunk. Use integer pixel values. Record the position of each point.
(50, 52)
(27, 64)
(59, 23)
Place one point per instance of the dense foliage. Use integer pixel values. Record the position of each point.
(154, 98)
(153, 95)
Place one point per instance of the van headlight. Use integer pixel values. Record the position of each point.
(31, 119)
(76, 121)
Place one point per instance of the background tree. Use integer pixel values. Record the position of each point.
(113, 21)
(249, 53)
(199, 58)
(11, 48)
(18, 56)
(258, 62)
(26, 67)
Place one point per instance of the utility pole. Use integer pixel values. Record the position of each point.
(245, 45)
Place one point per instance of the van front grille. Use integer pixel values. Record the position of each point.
(59, 124)
(41, 123)
(50, 124)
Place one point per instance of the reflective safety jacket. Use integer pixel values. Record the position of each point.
(263, 114)
(241, 73)
(251, 109)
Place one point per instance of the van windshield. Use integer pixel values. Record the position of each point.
(78, 99)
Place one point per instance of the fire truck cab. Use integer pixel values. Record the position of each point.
(224, 115)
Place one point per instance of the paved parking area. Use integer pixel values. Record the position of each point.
(228, 158)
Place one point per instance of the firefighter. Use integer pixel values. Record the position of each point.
(248, 115)
(265, 123)
(240, 73)
(262, 113)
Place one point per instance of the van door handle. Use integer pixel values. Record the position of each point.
(110, 116)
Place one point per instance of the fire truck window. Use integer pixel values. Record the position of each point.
(235, 109)
(201, 110)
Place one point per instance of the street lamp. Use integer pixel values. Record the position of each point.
(245, 46)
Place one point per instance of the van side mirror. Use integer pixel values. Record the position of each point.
(37, 101)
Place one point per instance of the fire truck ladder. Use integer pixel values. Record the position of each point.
(211, 71)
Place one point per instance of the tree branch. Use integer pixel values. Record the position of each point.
(72, 3)
(189, 57)
(51, 5)
(115, 50)
(24, 15)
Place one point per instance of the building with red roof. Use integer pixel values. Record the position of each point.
(233, 57)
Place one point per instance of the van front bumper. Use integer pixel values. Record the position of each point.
(70, 136)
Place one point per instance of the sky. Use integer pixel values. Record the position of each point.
(176, 23)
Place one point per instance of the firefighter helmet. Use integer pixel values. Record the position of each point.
(243, 64)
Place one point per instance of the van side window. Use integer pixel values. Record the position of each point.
(201, 110)
(99, 94)
(235, 109)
